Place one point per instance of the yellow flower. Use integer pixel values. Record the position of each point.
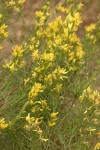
(49, 79)
(28, 118)
(37, 88)
(35, 55)
(79, 52)
(18, 51)
(12, 3)
(34, 43)
(89, 90)
(0, 15)
(43, 103)
(22, 64)
(3, 30)
(97, 146)
(3, 125)
(12, 67)
(50, 124)
(17, 9)
(35, 108)
(53, 119)
(34, 75)
(90, 28)
(33, 123)
(62, 9)
(39, 69)
(41, 18)
(39, 14)
(48, 56)
(26, 81)
(71, 56)
(54, 114)
(61, 72)
(21, 2)
(57, 88)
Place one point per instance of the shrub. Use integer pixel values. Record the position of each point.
(45, 87)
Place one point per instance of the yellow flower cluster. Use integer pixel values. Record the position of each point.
(90, 28)
(41, 16)
(34, 44)
(89, 33)
(3, 29)
(16, 5)
(53, 119)
(16, 62)
(61, 39)
(40, 106)
(91, 96)
(34, 124)
(37, 88)
(48, 56)
(18, 51)
(91, 113)
(3, 32)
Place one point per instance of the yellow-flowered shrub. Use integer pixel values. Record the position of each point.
(43, 79)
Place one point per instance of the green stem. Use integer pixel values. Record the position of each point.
(19, 115)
